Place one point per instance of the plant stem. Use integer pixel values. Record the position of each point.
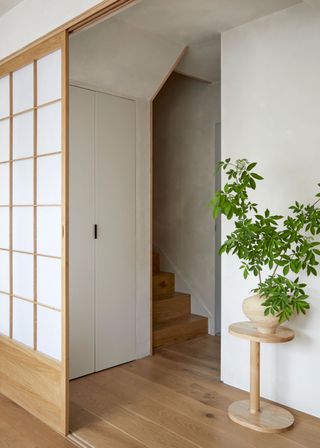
(315, 203)
(275, 271)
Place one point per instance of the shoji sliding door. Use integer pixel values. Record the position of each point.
(33, 232)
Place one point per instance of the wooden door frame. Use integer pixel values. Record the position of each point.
(37, 49)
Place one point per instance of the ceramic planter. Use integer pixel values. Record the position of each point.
(253, 309)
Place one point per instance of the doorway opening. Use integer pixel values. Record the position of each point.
(185, 116)
(125, 108)
(120, 117)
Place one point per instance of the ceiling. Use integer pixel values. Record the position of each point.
(198, 21)
(6, 5)
(198, 24)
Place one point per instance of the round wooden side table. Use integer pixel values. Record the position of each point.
(255, 414)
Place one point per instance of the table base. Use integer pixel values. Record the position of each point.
(270, 418)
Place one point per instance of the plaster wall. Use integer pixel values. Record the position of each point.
(185, 114)
(36, 18)
(270, 114)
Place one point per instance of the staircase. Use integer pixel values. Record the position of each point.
(172, 318)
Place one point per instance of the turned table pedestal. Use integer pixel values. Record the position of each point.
(254, 413)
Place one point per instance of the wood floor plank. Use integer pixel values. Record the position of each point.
(306, 431)
(100, 434)
(203, 348)
(90, 397)
(212, 366)
(174, 420)
(204, 388)
(204, 413)
(175, 399)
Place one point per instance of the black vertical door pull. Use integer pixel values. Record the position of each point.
(96, 231)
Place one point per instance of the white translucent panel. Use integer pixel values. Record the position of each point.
(23, 275)
(4, 140)
(23, 182)
(49, 231)
(4, 184)
(49, 77)
(4, 227)
(23, 321)
(5, 314)
(4, 271)
(22, 229)
(23, 143)
(49, 180)
(49, 281)
(4, 97)
(49, 332)
(49, 128)
(23, 89)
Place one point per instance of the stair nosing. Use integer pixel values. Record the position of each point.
(173, 296)
(178, 321)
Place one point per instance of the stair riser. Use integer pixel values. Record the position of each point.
(155, 263)
(181, 332)
(163, 285)
(172, 308)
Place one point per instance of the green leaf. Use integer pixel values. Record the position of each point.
(252, 183)
(286, 270)
(256, 176)
(216, 212)
(251, 166)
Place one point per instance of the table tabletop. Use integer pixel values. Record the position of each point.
(247, 330)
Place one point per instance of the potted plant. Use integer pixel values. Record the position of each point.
(273, 248)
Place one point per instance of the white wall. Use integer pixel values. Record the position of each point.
(185, 113)
(270, 114)
(37, 18)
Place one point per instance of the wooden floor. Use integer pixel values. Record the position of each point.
(18, 429)
(173, 399)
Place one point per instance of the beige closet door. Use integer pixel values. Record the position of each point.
(82, 243)
(33, 231)
(115, 244)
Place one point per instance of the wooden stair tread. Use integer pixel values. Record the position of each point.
(175, 295)
(168, 308)
(162, 273)
(179, 321)
(177, 330)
